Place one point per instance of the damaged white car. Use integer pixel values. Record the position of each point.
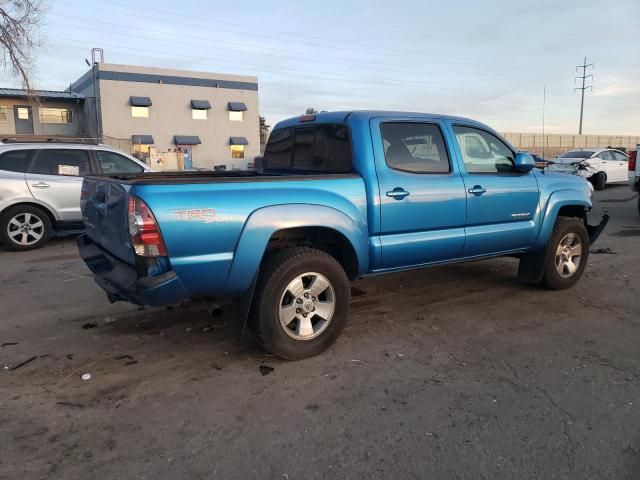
(599, 166)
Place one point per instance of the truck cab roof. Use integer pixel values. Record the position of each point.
(365, 115)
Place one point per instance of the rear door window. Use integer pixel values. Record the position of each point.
(112, 163)
(621, 157)
(318, 148)
(414, 147)
(74, 163)
(16, 160)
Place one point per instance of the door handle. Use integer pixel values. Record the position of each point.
(477, 190)
(40, 185)
(398, 193)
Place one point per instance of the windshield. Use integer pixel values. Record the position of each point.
(576, 154)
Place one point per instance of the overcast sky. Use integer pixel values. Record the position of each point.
(488, 60)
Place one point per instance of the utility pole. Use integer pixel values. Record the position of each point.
(583, 77)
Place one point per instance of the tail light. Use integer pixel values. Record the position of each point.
(633, 157)
(144, 230)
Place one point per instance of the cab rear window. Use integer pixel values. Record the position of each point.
(317, 149)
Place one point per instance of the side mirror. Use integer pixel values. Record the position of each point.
(524, 162)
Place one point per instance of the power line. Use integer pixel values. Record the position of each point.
(583, 77)
(200, 60)
(340, 45)
(349, 63)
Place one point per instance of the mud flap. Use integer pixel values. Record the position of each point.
(240, 308)
(531, 267)
(594, 231)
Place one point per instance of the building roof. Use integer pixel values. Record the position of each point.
(44, 94)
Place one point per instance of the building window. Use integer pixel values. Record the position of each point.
(237, 151)
(55, 115)
(4, 114)
(198, 114)
(236, 117)
(142, 153)
(139, 112)
(23, 113)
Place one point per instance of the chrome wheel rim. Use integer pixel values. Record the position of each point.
(568, 255)
(307, 305)
(25, 229)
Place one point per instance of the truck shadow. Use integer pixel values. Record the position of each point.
(199, 325)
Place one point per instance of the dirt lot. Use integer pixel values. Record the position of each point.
(447, 373)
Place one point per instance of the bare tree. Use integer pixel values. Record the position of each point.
(19, 20)
(264, 129)
(310, 111)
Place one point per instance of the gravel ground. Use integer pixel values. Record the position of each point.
(454, 372)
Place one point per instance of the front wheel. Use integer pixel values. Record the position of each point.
(301, 303)
(567, 254)
(599, 181)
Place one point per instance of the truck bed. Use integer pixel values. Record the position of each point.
(161, 178)
(230, 197)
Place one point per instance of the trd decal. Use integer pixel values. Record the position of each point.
(205, 215)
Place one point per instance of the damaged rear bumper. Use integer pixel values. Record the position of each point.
(122, 281)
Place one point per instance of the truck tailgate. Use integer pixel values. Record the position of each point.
(104, 203)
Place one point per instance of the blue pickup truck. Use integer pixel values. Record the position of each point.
(338, 196)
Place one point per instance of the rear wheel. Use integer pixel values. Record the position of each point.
(567, 254)
(24, 227)
(301, 303)
(599, 180)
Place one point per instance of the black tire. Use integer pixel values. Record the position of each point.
(564, 226)
(638, 203)
(276, 273)
(39, 221)
(599, 181)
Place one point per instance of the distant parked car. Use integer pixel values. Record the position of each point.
(634, 172)
(599, 166)
(540, 162)
(40, 187)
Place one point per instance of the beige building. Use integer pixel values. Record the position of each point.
(173, 118)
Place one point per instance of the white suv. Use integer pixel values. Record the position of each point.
(634, 172)
(40, 187)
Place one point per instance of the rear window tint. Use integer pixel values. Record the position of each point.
(112, 163)
(61, 162)
(318, 148)
(576, 154)
(16, 160)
